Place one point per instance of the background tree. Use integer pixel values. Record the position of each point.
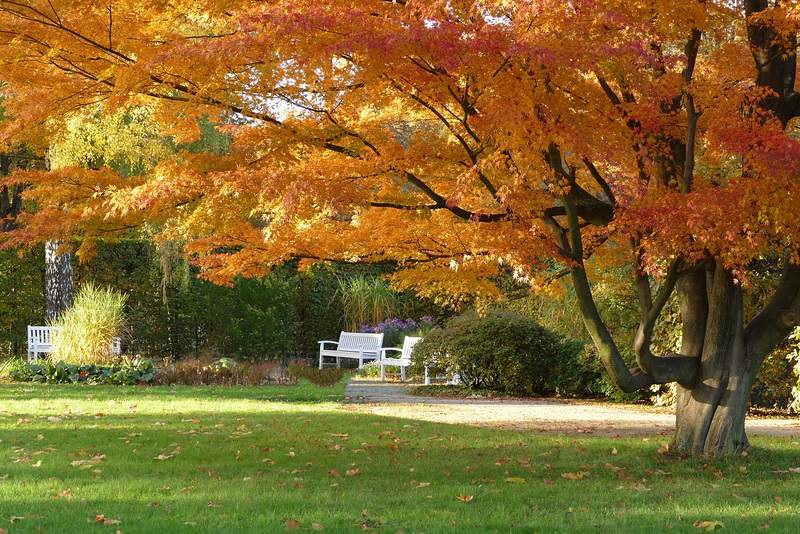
(453, 137)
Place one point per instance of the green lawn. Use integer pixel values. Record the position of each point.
(221, 460)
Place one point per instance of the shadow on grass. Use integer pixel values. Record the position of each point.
(198, 460)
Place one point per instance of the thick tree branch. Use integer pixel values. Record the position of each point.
(692, 114)
(775, 61)
(589, 207)
(626, 379)
(441, 203)
(600, 181)
(672, 367)
(779, 316)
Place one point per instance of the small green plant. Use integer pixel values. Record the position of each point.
(794, 383)
(133, 372)
(372, 370)
(327, 377)
(10, 365)
(501, 350)
(85, 332)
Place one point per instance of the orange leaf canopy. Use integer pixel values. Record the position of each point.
(445, 136)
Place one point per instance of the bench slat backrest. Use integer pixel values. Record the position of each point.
(408, 347)
(40, 335)
(352, 341)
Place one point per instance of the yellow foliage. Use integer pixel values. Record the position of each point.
(449, 138)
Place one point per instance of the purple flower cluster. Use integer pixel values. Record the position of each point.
(399, 325)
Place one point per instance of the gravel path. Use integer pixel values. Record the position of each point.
(539, 415)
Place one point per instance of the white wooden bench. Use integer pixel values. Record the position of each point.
(401, 360)
(40, 341)
(356, 345)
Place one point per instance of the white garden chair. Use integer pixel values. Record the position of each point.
(402, 360)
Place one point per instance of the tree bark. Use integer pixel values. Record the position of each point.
(10, 198)
(58, 279)
(711, 413)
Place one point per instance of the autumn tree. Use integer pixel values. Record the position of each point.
(452, 137)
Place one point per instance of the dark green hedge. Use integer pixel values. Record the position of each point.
(276, 317)
(503, 350)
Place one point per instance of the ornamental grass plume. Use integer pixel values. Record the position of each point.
(85, 332)
(367, 300)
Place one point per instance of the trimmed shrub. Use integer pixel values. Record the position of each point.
(500, 350)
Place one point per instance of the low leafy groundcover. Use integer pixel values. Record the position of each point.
(188, 371)
(135, 371)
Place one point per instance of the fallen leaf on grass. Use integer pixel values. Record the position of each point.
(212, 505)
(334, 473)
(100, 518)
(292, 525)
(465, 498)
(162, 457)
(574, 476)
(709, 525)
(66, 493)
(353, 472)
(516, 480)
(317, 526)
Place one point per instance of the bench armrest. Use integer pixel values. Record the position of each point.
(382, 352)
(322, 344)
(369, 347)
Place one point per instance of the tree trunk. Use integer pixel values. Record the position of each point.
(10, 198)
(711, 413)
(58, 280)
